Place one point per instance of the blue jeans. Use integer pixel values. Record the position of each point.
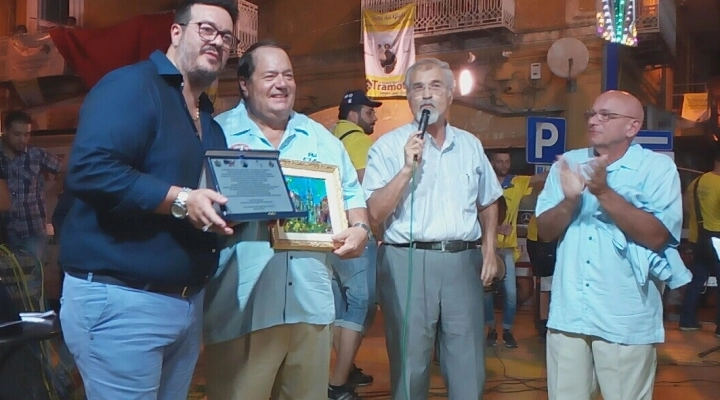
(509, 288)
(702, 264)
(354, 289)
(35, 244)
(131, 344)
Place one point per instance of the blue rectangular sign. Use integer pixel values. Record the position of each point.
(545, 139)
(655, 140)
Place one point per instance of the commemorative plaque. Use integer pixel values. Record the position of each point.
(252, 181)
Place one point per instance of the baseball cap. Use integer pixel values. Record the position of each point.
(355, 97)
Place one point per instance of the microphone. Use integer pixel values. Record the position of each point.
(424, 119)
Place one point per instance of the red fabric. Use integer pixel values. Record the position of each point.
(94, 52)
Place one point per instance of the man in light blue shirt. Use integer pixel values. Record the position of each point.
(605, 316)
(433, 198)
(269, 314)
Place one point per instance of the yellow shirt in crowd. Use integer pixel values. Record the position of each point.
(709, 199)
(532, 229)
(356, 143)
(519, 187)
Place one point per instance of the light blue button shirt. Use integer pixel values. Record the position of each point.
(255, 287)
(595, 289)
(451, 182)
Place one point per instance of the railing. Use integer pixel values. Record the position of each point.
(246, 28)
(437, 17)
(658, 16)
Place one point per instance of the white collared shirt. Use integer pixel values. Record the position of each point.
(450, 184)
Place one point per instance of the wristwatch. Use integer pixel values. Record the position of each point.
(179, 206)
(364, 226)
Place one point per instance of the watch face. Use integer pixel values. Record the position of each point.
(177, 211)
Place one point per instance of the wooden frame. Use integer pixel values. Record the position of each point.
(315, 188)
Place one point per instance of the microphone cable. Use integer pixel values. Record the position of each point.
(404, 380)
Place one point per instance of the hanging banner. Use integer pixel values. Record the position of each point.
(695, 107)
(389, 50)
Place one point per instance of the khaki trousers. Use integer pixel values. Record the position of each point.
(284, 362)
(577, 364)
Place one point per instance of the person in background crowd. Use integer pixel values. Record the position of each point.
(25, 165)
(702, 201)
(353, 279)
(542, 259)
(515, 187)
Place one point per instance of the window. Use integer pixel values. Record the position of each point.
(648, 8)
(56, 11)
(44, 14)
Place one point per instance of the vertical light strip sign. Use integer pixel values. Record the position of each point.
(389, 46)
(616, 22)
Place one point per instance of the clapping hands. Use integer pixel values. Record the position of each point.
(593, 175)
(571, 180)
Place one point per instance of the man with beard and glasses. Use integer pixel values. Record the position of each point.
(515, 187)
(140, 241)
(269, 313)
(354, 279)
(434, 198)
(621, 206)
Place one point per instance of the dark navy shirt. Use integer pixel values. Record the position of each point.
(135, 139)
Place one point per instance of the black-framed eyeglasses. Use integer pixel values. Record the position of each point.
(605, 116)
(208, 32)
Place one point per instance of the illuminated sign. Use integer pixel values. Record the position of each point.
(616, 22)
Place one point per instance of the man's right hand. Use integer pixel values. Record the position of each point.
(505, 229)
(571, 181)
(413, 150)
(202, 214)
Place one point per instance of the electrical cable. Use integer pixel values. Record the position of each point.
(509, 383)
(403, 339)
(422, 127)
(46, 348)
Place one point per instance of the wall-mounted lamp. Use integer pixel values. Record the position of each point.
(466, 82)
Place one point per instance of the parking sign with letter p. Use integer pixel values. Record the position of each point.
(545, 139)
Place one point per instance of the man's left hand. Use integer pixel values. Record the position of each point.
(596, 171)
(489, 269)
(351, 241)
